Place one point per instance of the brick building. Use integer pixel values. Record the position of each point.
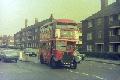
(6, 41)
(28, 37)
(101, 31)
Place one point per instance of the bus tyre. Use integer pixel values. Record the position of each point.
(73, 65)
(41, 59)
(53, 63)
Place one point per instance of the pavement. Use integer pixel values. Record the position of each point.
(116, 62)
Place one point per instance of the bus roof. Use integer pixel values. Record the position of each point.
(65, 21)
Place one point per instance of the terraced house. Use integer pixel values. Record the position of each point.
(28, 37)
(101, 31)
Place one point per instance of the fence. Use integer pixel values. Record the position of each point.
(104, 55)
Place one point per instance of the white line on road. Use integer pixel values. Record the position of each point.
(1, 72)
(85, 74)
(110, 68)
(98, 77)
(70, 70)
(104, 63)
(77, 72)
(113, 65)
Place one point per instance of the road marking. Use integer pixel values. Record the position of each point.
(77, 72)
(104, 63)
(70, 70)
(1, 72)
(114, 65)
(85, 74)
(110, 68)
(67, 69)
(99, 77)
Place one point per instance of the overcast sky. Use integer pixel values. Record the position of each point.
(14, 12)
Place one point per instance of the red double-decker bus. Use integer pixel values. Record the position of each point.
(58, 40)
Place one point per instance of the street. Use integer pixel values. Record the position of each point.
(87, 70)
(60, 40)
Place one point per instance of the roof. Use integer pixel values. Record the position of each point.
(65, 21)
(48, 21)
(114, 8)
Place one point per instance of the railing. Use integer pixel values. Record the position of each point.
(103, 55)
(114, 23)
(114, 38)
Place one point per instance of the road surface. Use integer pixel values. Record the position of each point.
(87, 70)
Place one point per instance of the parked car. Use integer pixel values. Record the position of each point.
(9, 55)
(0, 57)
(1, 54)
(79, 57)
(31, 54)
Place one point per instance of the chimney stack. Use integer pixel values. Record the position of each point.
(104, 3)
(26, 23)
(36, 20)
(51, 17)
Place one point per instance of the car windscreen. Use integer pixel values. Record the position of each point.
(12, 53)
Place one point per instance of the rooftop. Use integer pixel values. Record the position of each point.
(65, 21)
(114, 8)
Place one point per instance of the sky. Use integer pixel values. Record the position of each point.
(14, 12)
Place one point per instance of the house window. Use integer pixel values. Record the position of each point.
(35, 37)
(89, 48)
(118, 31)
(119, 17)
(110, 48)
(111, 33)
(90, 24)
(34, 44)
(27, 45)
(100, 34)
(89, 36)
(31, 45)
(110, 19)
(99, 21)
(36, 30)
(118, 48)
(100, 47)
